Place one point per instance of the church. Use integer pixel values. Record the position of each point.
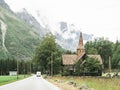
(70, 60)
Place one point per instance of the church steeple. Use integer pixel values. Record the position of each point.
(80, 48)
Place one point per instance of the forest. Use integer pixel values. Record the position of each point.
(47, 57)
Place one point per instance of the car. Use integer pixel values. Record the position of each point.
(38, 74)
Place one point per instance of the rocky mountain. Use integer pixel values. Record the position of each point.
(4, 5)
(32, 22)
(68, 36)
(17, 38)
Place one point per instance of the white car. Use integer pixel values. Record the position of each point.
(38, 74)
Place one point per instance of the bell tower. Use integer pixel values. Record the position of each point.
(80, 48)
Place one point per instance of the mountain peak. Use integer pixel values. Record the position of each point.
(69, 36)
(32, 22)
(4, 5)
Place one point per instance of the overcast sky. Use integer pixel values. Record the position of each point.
(98, 17)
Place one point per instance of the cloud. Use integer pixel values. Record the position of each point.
(98, 17)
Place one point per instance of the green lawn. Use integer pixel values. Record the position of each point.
(9, 79)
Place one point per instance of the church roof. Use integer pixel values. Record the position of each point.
(71, 59)
(98, 57)
(80, 56)
(68, 59)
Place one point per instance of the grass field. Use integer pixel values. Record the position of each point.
(9, 79)
(91, 82)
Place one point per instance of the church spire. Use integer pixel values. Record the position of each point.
(80, 44)
(80, 48)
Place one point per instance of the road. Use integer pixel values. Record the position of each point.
(31, 83)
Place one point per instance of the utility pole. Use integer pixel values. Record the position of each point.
(30, 67)
(109, 65)
(51, 65)
(17, 66)
(24, 68)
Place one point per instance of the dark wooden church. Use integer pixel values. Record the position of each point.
(70, 60)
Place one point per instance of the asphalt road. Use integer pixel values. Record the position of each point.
(31, 83)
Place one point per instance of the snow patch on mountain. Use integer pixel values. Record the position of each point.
(67, 34)
(3, 27)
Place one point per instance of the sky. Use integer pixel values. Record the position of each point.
(98, 17)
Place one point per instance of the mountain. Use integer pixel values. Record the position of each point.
(68, 36)
(4, 5)
(17, 38)
(32, 22)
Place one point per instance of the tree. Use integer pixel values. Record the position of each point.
(90, 47)
(79, 68)
(47, 56)
(92, 65)
(116, 56)
(102, 47)
(7, 65)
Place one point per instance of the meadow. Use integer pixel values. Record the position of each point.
(97, 83)
(9, 79)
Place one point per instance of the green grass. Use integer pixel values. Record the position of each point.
(93, 82)
(9, 79)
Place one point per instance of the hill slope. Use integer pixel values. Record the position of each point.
(32, 22)
(17, 39)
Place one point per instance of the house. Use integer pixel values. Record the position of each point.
(12, 73)
(70, 60)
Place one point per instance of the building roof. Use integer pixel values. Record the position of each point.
(71, 59)
(98, 57)
(80, 55)
(68, 59)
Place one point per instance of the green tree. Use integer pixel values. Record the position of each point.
(116, 56)
(79, 68)
(92, 65)
(103, 47)
(47, 56)
(90, 47)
